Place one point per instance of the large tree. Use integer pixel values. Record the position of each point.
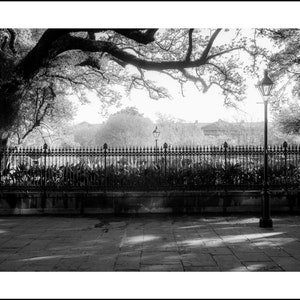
(287, 118)
(43, 108)
(96, 59)
(284, 65)
(126, 128)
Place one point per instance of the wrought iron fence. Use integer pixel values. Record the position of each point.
(149, 168)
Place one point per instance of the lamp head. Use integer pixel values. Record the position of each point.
(265, 86)
(156, 132)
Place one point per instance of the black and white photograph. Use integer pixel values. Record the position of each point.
(150, 147)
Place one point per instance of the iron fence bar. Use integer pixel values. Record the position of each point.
(1, 154)
(285, 165)
(165, 153)
(44, 183)
(225, 164)
(105, 171)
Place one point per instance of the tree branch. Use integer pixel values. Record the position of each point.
(223, 52)
(75, 43)
(91, 62)
(56, 42)
(195, 79)
(139, 35)
(40, 53)
(134, 50)
(12, 40)
(153, 91)
(171, 43)
(189, 51)
(92, 35)
(209, 45)
(4, 42)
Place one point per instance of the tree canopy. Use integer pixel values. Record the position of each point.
(96, 59)
(77, 60)
(127, 128)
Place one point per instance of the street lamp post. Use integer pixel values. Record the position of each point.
(156, 134)
(265, 87)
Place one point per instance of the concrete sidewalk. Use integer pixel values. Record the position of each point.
(148, 243)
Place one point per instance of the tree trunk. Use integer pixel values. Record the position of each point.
(9, 106)
(3, 145)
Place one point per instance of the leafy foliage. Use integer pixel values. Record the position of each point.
(288, 118)
(111, 62)
(77, 60)
(124, 128)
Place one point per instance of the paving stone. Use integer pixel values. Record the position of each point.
(35, 247)
(97, 266)
(168, 247)
(225, 259)
(262, 266)
(214, 243)
(45, 264)
(164, 258)
(197, 260)
(293, 250)
(248, 256)
(162, 268)
(199, 250)
(38, 268)
(201, 268)
(129, 253)
(275, 252)
(290, 267)
(245, 247)
(287, 263)
(113, 250)
(11, 266)
(127, 268)
(21, 256)
(190, 242)
(219, 250)
(2, 259)
(117, 224)
(128, 262)
(69, 263)
(296, 256)
(232, 267)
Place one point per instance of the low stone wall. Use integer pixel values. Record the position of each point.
(83, 202)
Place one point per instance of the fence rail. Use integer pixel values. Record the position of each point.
(149, 168)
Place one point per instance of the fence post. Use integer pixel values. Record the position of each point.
(225, 201)
(225, 166)
(105, 175)
(1, 154)
(165, 152)
(43, 204)
(285, 164)
(225, 154)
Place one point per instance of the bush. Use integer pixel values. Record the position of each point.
(139, 174)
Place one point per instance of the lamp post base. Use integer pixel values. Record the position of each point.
(265, 223)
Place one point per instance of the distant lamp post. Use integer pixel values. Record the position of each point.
(265, 86)
(156, 134)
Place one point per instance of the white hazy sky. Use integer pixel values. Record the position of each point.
(208, 107)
